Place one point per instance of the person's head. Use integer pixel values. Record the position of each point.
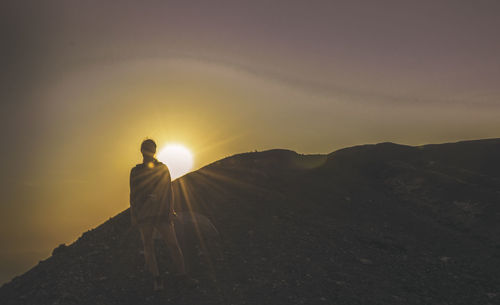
(148, 148)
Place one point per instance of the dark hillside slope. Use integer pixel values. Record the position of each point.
(457, 183)
(372, 224)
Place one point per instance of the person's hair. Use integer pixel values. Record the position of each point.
(148, 146)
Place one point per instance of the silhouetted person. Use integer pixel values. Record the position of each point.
(151, 207)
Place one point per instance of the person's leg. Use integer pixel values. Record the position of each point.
(147, 232)
(168, 233)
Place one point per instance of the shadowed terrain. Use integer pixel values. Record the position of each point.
(370, 224)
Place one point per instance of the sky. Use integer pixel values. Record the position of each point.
(84, 82)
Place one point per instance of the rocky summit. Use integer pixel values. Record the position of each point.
(370, 224)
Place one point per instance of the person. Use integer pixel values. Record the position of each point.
(151, 208)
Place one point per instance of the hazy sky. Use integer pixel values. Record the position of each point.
(83, 82)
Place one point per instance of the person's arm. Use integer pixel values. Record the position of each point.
(170, 195)
(171, 205)
(133, 218)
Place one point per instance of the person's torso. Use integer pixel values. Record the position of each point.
(150, 179)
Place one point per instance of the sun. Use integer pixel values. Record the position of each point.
(177, 158)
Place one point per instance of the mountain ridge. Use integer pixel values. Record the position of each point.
(378, 223)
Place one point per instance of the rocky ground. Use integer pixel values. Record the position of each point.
(373, 224)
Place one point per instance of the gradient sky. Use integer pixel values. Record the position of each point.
(83, 82)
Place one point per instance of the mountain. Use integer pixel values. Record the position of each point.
(370, 224)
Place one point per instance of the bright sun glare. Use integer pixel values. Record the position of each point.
(178, 159)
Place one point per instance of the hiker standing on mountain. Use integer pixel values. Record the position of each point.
(151, 207)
